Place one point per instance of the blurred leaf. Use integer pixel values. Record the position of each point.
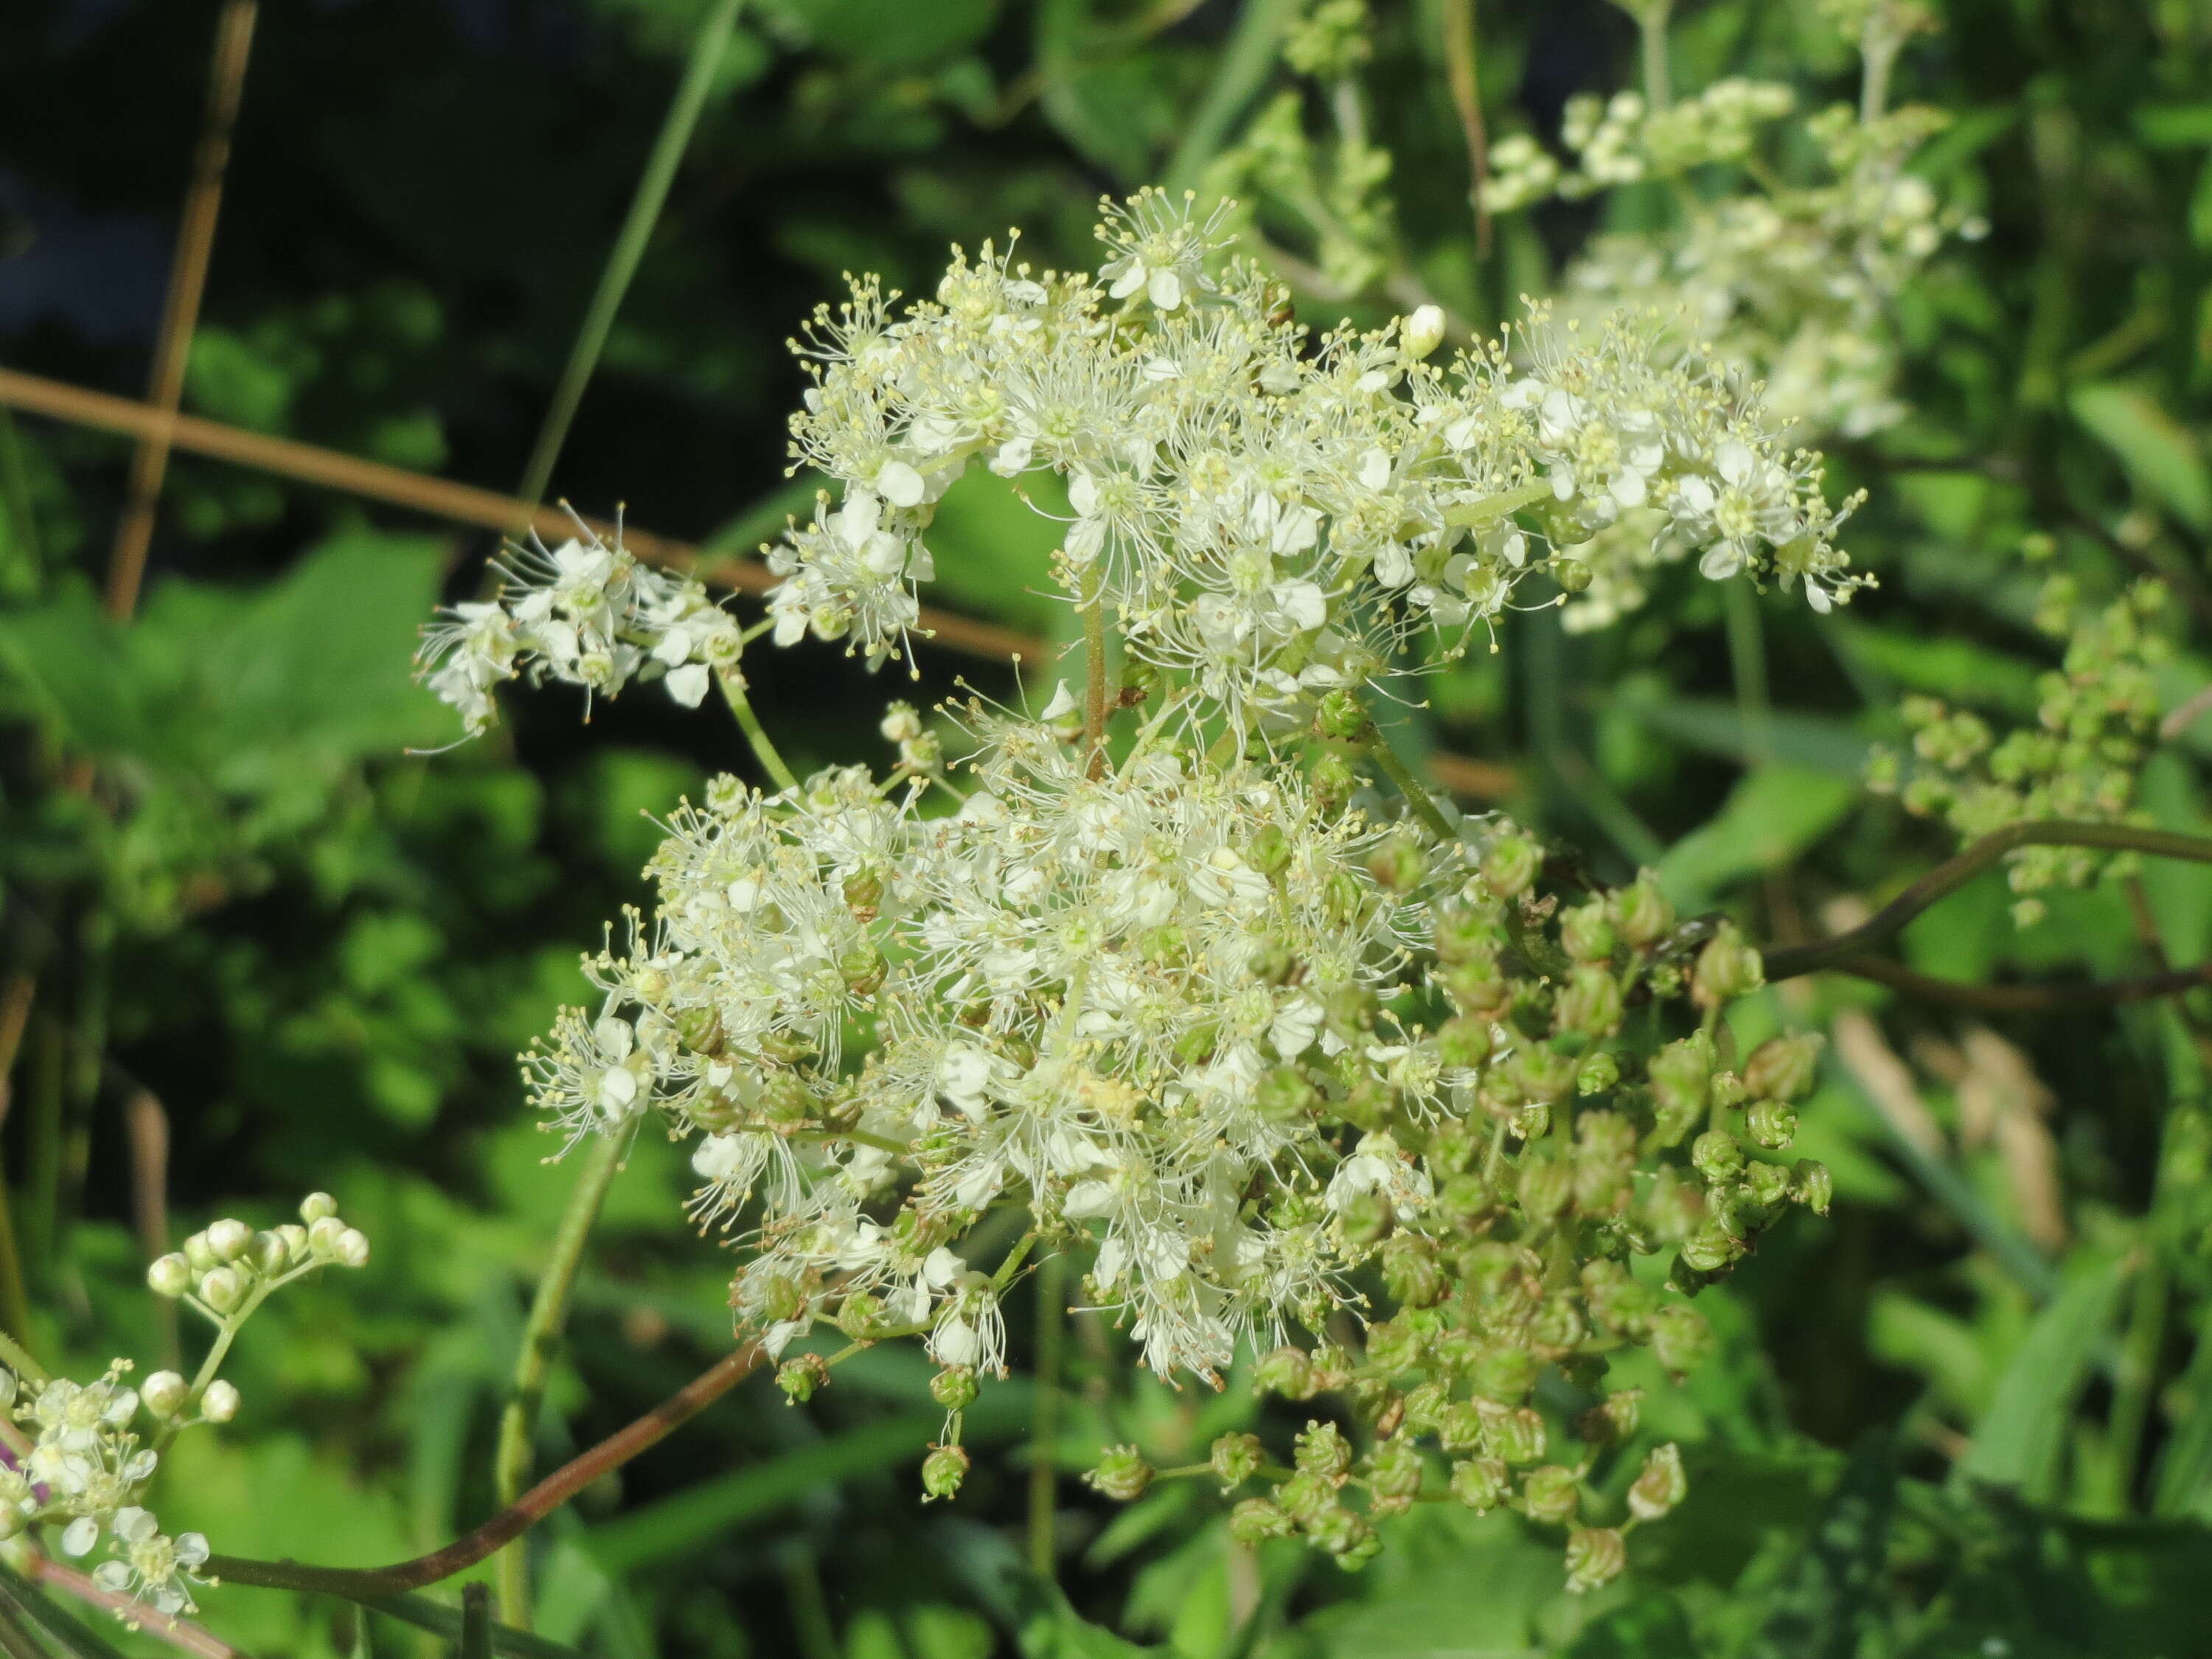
(2160, 454)
(1769, 818)
(2021, 1441)
(1817, 743)
(1955, 669)
(1831, 1597)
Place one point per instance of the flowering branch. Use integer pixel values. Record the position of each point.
(363, 1583)
(1953, 873)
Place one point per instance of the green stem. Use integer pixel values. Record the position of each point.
(18, 1359)
(1044, 1424)
(1652, 18)
(2133, 1387)
(1244, 65)
(541, 1339)
(706, 57)
(1746, 643)
(1423, 804)
(15, 487)
(1955, 872)
(733, 693)
(1491, 509)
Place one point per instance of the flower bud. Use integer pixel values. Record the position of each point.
(1285, 1096)
(1510, 868)
(1394, 1470)
(1711, 1248)
(1323, 1451)
(1122, 1474)
(1463, 1043)
(1236, 1459)
(954, 1388)
(1286, 1371)
(323, 1236)
(1598, 1074)
(221, 1289)
(1681, 1339)
(170, 1275)
(316, 1206)
(1255, 1520)
(1394, 1347)
(1591, 1003)
(1717, 1156)
(1586, 933)
(220, 1403)
(1347, 1535)
(1613, 1420)
(943, 1471)
(1480, 1483)
(1546, 1188)
(1783, 1068)
(1770, 1124)
(1552, 1494)
(352, 1249)
(1595, 1557)
(1765, 1185)
(1661, 1487)
(199, 1252)
(1518, 1436)
(1727, 969)
(1642, 913)
(1681, 1075)
(1814, 1188)
(1423, 331)
(1412, 1273)
(165, 1393)
(1333, 780)
(1399, 864)
(230, 1239)
(271, 1255)
(801, 1377)
(1341, 715)
(1573, 575)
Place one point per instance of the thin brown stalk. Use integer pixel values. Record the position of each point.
(180, 311)
(2026, 998)
(16, 996)
(146, 1126)
(360, 1583)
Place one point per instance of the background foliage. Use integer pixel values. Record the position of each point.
(1969, 1413)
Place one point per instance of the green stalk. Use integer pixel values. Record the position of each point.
(1417, 795)
(706, 57)
(1094, 686)
(1245, 65)
(1044, 1424)
(764, 752)
(1746, 643)
(541, 1339)
(15, 487)
(2132, 1390)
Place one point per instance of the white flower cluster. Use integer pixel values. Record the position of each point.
(77, 1460)
(1102, 1001)
(584, 613)
(1271, 514)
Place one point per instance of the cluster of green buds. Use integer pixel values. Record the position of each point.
(1604, 1174)
(2096, 719)
(226, 1270)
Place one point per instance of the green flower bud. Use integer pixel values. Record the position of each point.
(1681, 1339)
(1640, 913)
(1573, 575)
(1347, 1535)
(1323, 1451)
(1412, 1273)
(1506, 1373)
(1122, 1474)
(801, 1377)
(1595, 1557)
(1682, 1076)
(1727, 969)
(1814, 1186)
(1305, 1498)
(1270, 850)
(1340, 716)
(1552, 1494)
(170, 1275)
(1620, 1302)
(943, 1471)
(1613, 1420)
(1510, 868)
(1286, 1371)
(1236, 1459)
(1255, 1520)
(1586, 932)
(1287, 1096)
(1783, 1068)
(221, 1289)
(1463, 1043)
(1393, 1471)
(220, 1403)
(230, 1239)
(1399, 864)
(1591, 1003)
(1460, 1426)
(1394, 1347)
(1598, 1074)
(1771, 1124)
(1546, 1188)
(1542, 1075)
(1717, 1156)
(165, 1394)
(954, 1388)
(1465, 934)
(315, 1205)
(1766, 1187)
(1480, 1483)
(1518, 1436)
(1661, 1487)
(1711, 1247)
(199, 1252)
(1333, 782)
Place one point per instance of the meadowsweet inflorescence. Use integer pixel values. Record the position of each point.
(1154, 979)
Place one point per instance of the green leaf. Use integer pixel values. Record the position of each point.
(1769, 818)
(1817, 743)
(2159, 454)
(2021, 1441)
(1827, 1601)
(1946, 666)
(2184, 1471)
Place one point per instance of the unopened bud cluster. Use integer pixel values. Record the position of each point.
(227, 1269)
(2096, 721)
